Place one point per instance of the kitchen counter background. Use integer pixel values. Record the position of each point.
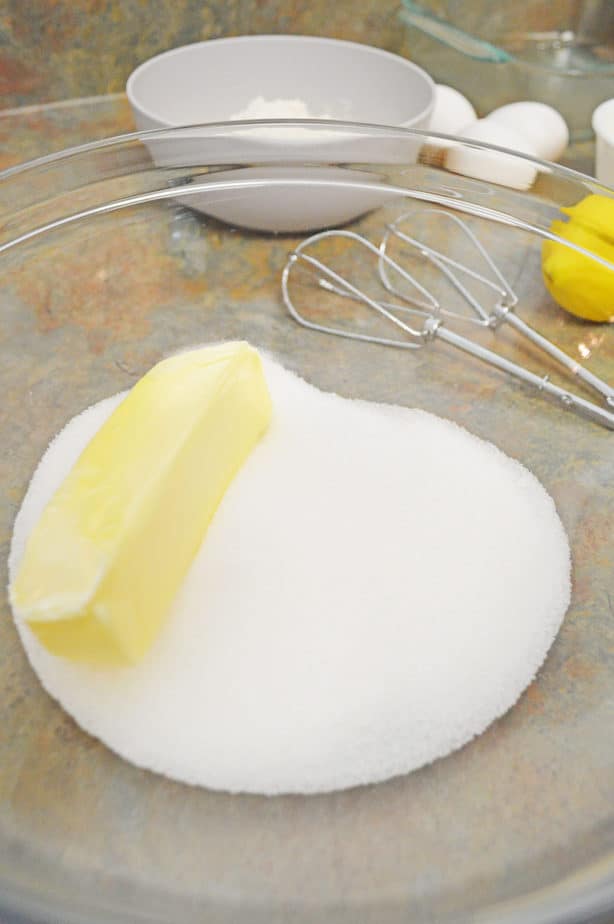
(58, 49)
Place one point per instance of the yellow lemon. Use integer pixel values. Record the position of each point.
(595, 213)
(576, 282)
(109, 551)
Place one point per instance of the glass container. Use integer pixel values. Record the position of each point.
(557, 53)
(118, 252)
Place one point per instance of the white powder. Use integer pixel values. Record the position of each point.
(376, 588)
(261, 108)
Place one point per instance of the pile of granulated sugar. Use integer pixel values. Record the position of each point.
(376, 588)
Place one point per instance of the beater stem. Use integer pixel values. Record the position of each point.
(541, 383)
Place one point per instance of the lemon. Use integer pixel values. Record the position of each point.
(595, 213)
(576, 282)
(105, 559)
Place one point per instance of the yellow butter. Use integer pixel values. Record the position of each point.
(106, 558)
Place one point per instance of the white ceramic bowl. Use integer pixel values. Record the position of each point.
(210, 82)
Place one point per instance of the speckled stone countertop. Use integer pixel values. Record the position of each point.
(31, 131)
(68, 48)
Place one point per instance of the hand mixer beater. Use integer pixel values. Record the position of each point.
(418, 301)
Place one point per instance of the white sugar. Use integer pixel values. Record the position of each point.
(376, 588)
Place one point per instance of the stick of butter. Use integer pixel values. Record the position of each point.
(107, 556)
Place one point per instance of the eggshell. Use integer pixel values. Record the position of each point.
(542, 126)
(492, 166)
(452, 111)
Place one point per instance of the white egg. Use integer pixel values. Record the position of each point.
(452, 111)
(543, 127)
(493, 166)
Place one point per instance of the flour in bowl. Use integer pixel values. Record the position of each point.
(262, 108)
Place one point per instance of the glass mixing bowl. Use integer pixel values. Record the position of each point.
(559, 53)
(109, 261)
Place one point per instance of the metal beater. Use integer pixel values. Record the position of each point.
(399, 282)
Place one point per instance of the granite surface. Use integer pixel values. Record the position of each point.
(29, 132)
(69, 48)
(526, 806)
